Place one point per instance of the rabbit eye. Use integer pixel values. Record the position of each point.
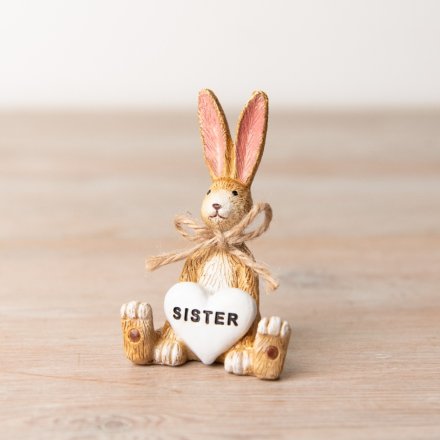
(208, 191)
(235, 193)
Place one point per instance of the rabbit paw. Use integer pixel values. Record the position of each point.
(270, 347)
(138, 332)
(239, 361)
(170, 352)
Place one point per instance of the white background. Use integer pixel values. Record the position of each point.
(314, 53)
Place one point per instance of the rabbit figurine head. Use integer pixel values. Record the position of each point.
(232, 166)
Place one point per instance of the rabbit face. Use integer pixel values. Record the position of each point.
(225, 204)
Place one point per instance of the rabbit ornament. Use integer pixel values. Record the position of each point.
(213, 311)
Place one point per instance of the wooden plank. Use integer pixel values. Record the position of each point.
(355, 240)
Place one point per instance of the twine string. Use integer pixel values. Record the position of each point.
(230, 240)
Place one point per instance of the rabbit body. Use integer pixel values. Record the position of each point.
(215, 269)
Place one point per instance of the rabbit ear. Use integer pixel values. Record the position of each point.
(214, 130)
(251, 135)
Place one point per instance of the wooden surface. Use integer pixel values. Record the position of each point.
(355, 241)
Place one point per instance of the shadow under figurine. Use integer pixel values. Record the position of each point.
(213, 312)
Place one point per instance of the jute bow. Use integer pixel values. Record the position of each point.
(229, 241)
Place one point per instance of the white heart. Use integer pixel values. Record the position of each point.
(233, 312)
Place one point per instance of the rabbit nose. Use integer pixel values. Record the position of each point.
(216, 206)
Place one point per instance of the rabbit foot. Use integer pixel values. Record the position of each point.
(138, 332)
(270, 347)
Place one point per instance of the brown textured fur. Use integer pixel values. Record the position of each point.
(162, 346)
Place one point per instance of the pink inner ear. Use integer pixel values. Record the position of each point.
(250, 137)
(213, 133)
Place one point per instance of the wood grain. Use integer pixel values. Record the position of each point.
(355, 240)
